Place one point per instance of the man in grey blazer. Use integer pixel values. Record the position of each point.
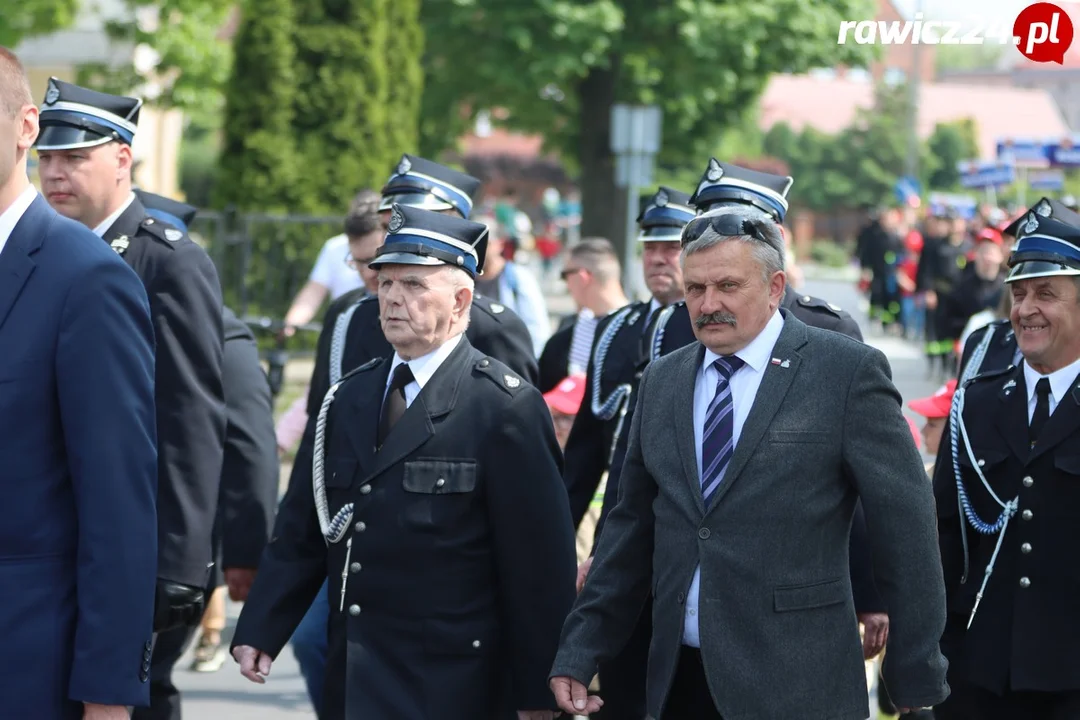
(747, 453)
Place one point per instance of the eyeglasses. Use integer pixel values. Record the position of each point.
(571, 271)
(728, 225)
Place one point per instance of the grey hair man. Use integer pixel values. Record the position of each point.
(735, 506)
(433, 459)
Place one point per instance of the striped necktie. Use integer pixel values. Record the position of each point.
(718, 439)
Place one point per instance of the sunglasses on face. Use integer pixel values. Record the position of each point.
(568, 272)
(728, 225)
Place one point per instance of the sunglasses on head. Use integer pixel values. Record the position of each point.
(729, 225)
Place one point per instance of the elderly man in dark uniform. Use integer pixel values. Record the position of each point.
(85, 168)
(1006, 486)
(994, 346)
(352, 334)
(435, 506)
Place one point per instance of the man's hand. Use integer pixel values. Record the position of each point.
(931, 300)
(254, 664)
(93, 711)
(573, 697)
(875, 633)
(583, 572)
(536, 715)
(239, 581)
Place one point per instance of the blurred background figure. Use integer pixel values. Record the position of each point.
(935, 409)
(564, 401)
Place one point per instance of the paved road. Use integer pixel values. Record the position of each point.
(225, 695)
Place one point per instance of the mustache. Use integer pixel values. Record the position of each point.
(721, 317)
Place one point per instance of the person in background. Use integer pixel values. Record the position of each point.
(980, 286)
(509, 284)
(941, 266)
(564, 401)
(936, 410)
(592, 275)
(330, 279)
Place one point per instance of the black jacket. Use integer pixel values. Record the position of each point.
(1025, 632)
(186, 309)
(250, 474)
(460, 553)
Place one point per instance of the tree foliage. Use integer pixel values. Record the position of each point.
(258, 162)
(557, 66)
(192, 57)
(951, 143)
(856, 167)
(20, 19)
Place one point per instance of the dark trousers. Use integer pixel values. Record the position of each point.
(968, 702)
(689, 697)
(164, 695)
(622, 679)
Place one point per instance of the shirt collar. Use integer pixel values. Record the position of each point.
(758, 352)
(107, 223)
(10, 217)
(425, 366)
(1060, 380)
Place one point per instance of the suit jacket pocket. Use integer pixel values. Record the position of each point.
(439, 477)
(799, 436)
(807, 597)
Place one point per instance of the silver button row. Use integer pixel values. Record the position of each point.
(354, 610)
(1029, 481)
(1025, 582)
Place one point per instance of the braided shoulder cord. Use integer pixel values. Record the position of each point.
(337, 342)
(1008, 509)
(332, 530)
(658, 332)
(606, 410)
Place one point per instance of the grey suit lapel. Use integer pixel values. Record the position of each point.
(770, 395)
(683, 407)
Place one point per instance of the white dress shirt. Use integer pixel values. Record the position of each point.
(107, 223)
(422, 368)
(1060, 382)
(744, 386)
(11, 217)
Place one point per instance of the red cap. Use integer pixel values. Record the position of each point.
(989, 235)
(567, 395)
(938, 404)
(914, 432)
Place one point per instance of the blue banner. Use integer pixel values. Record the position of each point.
(1046, 179)
(977, 174)
(1022, 150)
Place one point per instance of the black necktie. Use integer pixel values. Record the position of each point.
(394, 405)
(1042, 409)
(644, 349)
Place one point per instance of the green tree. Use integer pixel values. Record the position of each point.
(949, 144)
(192, 56)
(258, 161)
(558, 66)
(352, 118)
(25, 18)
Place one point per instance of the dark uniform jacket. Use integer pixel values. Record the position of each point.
(1000, 353)
(185, 305)
(555, 360)
(1026, 631)
(612, 365)
(815, 312)
(493, 329)
(462, 561)
(249, 476)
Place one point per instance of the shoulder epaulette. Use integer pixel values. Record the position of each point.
(813, 302)
(501, 376)
(162, 231)
(990, 374)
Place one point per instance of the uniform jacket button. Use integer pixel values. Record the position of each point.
(1025, 548)
(1025, 582)
(361, 526)
(1029, 481)
(365, 489)
(354, 610)
(1027, 514)
(476, 644)
(440, 482)
(355, 567)
(704, 533)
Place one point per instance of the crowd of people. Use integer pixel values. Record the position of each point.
(705, 504)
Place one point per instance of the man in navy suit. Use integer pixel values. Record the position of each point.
(78, 458)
